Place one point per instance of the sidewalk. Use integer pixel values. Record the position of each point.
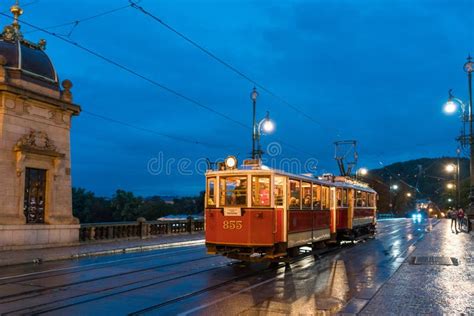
(99, 248)
(431, 286)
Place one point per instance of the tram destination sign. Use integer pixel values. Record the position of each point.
(232, 211)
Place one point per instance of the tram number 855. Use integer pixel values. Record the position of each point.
(232, 225)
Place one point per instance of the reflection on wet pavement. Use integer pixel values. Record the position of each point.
(343, 281)
(363, 277)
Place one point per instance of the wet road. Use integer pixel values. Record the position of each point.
(187, 281)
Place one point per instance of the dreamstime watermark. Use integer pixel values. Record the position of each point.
(272, 158)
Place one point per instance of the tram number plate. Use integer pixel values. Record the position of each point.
(237, 225)
(232, 211)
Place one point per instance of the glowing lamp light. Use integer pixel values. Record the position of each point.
(231, 162)
(395, 187)
(450, 186)
(409, 194)
(268, 126)
(450, 200)
(450, 107)
(363, 171)
(450, 168)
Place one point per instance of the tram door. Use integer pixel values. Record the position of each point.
(35, 190)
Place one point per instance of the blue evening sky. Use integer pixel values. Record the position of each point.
(375, 71)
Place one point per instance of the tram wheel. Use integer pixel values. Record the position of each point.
(293, 252)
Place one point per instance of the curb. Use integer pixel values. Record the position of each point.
(106, 252)
(138, 249)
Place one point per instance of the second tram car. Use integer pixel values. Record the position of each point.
(254, 213)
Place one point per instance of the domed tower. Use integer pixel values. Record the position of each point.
(35, 168)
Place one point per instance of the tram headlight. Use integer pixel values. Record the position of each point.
(231, 162)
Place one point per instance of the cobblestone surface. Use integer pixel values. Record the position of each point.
(14, 257)
(431, 289)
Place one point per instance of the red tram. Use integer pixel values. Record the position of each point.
(254, 213)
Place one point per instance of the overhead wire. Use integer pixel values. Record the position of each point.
(151, 131)
(75, 23)
(135, 73)
(134, 4)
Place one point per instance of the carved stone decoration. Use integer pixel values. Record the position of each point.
(36, 140)
(3, 73)
(66, 94)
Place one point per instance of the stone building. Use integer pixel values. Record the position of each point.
(35, 167)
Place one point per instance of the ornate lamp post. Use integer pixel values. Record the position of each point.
(469, 68)
(450, 107)
(265, 126)
(254, 96)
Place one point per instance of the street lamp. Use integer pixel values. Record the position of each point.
(469, 68)
(408, 194)
(395, 187)
(450, 168)
(450, 186)
(265, 126)
(362, 172)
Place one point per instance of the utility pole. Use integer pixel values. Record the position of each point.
(469, 68)
(390, 205)
(254, 96)
(458, 179)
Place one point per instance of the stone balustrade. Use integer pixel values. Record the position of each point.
(139, 229)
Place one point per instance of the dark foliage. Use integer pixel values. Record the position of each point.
(125, 206)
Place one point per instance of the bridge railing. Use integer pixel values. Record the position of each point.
(139, 229)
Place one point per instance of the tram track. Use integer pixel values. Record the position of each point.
(146, 284)
(38, 292)
(60, 302)
(88, 267)
(239, 278)
(34, 309)
(214, 287)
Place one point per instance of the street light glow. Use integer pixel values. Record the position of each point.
(450, 168)
(268, 126)
(450, 107)
(363, 171)
(395, 187)
(409, 194)
(450, 186)
(450, 200)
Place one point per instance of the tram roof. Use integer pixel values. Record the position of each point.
(341, 182)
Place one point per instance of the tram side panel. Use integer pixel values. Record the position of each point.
(254, 228)
(308, 226)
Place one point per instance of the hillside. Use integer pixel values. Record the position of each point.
(421, 178)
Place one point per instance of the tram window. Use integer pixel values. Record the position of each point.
(233, 191)
(279, 191)
(364, 199)
(316, 197)
(325, 198)
(211, 191)
(339, 197)
(295, 194)
(306, 190)
(371, 200)
(261, 191)
(344, 197)
(358, 198)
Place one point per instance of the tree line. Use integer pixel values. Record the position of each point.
(125, 206)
